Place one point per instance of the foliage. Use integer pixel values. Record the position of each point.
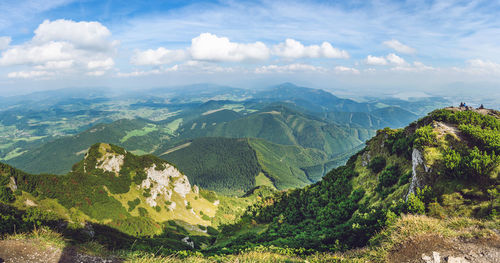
(399, 142)
(389, 176)
(219, 164)
(6, 195)
(486, 138)
(377, 164)
(425, 136)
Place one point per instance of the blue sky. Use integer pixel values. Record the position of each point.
(356, 46)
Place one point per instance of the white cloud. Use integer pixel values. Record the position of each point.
(138, 73)
(294, 49)
(63, 64)
(4, 42)
(84, 35)
(29, 74)
(479, 66)
(395, 59)
(96, 73)
(102, 64)
(158, 56)
(416, 67)
(63, 46)
(399, 47)
(213, 48)
(37, 54)
(372, 60)
(296, 67)
(389, 59)
(342, 69)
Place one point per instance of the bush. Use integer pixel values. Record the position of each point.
(142, 211)
(6, 195)
(389, 176)
(133, 204)
(425, 136)
(212, 231)
(452, 162)
(414, 205)
(377, 164)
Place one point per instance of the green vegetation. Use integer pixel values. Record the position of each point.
(335, 214)
(225, 165)
(377, 164)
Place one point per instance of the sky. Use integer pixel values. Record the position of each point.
(355, 47)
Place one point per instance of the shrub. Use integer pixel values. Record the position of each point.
(425, 136)
(389, 176)
(452, 162)
(142, 211)
(377, 164)
(212, 231)
(414, 205)
(6, 195)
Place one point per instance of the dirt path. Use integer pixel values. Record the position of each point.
(426, 249)
(29, 251)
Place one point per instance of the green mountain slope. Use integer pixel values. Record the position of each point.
(225, 165)
(59, 155)
(282, 125)
(234, 166)
(117, 193)
(446, 165)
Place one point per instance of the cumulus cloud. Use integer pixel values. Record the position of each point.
(342, 69)
(389, 59)
(158, 56)
(479, 66)
(139, 73)
(63, 64)
(4, 42)
(296, 67)
(417, 66)
(395, 59)
(63, 46)
(84, 35)
(29, 74)
(294, 49)
(105, 64)
(213, 48)
(399, 47)
(372, 60)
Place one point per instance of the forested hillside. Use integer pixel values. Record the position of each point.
(445, 165)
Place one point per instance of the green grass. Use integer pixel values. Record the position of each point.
(172, 126)
(13, 154)
(262, 179)
(140, 132)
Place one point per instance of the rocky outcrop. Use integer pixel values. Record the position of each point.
(161, 183)
(111, 162)
(12, 184)
(182, 186)
(419, 171)
(365, 159)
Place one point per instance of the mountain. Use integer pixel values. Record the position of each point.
(444, 166)
(234, 166)
(59, 155)
(119, 196)
(431, 186)
(315, 100)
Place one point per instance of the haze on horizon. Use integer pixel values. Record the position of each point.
(377, 47)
